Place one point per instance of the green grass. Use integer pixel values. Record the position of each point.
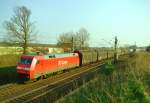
(126, 82)
(8, 68)
(8, 75)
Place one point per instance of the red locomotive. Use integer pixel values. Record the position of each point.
(34, 66)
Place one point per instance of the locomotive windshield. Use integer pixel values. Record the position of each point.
(26, 60)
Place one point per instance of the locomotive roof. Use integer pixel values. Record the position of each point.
(61, 55)
(52, 55)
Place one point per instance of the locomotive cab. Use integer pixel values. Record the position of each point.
(24, 67)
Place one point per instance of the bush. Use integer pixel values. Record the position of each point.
(108, 68)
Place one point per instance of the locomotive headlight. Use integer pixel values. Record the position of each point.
(19, 67)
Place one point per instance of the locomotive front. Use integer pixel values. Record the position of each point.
(24, 67)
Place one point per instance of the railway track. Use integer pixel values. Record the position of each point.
(63, 88)
(55, 86)
(21, 92)
(6, 86)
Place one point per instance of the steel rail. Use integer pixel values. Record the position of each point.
(26, 97)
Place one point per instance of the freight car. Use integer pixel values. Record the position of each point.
(35, 66)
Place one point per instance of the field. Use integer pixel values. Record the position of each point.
(17, 50)
(10, 50)
(126, 82)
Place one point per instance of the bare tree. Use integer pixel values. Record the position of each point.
(82, 38)
(78, 40)
(65, 38)
(19, 28)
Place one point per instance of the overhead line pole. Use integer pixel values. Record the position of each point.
(72, 44)
(115, 49)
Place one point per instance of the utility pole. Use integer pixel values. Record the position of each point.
(72, 44)
(115, 47)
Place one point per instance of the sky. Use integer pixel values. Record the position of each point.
(129, 20)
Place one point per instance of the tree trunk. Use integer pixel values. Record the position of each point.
(24, 49)
(25, 44)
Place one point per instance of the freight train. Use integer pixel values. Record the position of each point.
(36, 66)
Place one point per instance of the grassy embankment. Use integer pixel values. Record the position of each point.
(126, 82)
(8, 68)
